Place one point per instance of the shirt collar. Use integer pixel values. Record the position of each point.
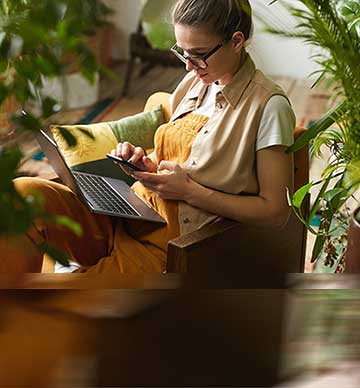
(198, 93)
(237, 86)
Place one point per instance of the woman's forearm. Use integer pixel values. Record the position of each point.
(255, 210)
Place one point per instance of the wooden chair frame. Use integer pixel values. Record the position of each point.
(225, 248)
(140, 49)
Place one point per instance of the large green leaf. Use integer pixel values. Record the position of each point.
(318, 126)
(68, 136)
(27, 121)
(156, 23)
(331, 194)
(336, 198)
(9, 161)
(86, 133)
(352, 176)
(316, 204)
(300, 195)
(319, 243)
(49, 106)
(54, 253)
(69, 224)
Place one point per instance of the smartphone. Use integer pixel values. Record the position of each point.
(125, 163)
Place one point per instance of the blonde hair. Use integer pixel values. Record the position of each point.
(223, 17)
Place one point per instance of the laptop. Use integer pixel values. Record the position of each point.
(102, 195)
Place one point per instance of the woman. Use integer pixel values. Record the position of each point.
(221, 155)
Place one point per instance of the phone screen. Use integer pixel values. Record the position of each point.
(118, 160)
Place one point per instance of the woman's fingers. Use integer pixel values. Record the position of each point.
(165, 165)
(137, 155)
(149, 165)
(118, 150)
(127, 150)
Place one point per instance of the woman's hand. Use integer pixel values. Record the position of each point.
(134, 155)
(171, 181)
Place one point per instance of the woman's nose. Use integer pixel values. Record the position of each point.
(189, 65)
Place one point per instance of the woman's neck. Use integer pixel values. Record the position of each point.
(228, 77)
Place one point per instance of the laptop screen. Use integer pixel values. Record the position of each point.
(57, 161)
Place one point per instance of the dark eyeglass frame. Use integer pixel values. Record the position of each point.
(184, 58)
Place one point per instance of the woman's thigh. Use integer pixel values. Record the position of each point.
(96, 239)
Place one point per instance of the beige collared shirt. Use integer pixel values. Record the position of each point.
(223, 155)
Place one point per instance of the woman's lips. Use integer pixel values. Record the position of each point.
(201, 75)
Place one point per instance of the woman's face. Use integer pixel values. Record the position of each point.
(222, 65)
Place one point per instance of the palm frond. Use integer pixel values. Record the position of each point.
(318, 126)
(333, 27)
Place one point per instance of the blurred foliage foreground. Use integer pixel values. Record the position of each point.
(37, 38)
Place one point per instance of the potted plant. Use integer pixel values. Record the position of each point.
(333, 26)
(35, 37)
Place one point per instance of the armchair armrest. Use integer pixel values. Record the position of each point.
(228, 248)
(179, 249)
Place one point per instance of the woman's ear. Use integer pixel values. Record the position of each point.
(238, 41)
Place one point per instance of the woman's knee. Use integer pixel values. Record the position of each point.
(26, 186)
(48, 192)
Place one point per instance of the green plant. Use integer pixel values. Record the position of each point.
(156, 23)
(35, 39)
(334, 27)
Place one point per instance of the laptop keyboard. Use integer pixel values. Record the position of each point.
(102, 195)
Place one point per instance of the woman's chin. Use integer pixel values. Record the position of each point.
(200, 75)
(206, 80)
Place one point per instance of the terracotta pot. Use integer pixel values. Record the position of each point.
(353, 249)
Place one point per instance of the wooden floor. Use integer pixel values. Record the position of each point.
(308, 105)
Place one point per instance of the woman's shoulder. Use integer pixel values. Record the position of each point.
(262, 81)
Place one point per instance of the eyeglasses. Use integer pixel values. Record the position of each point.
(199, 61)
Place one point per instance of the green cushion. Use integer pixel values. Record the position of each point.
(90, 155)
(138, 129)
